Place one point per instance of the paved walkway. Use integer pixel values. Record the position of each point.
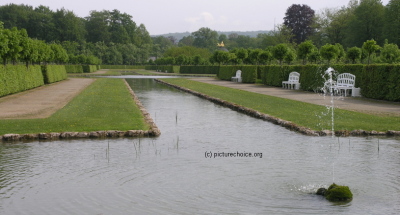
(43, 101)
(347, 103)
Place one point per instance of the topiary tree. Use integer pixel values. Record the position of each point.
(304, 49)
(390, 53)
(279, 52)
(265, 56)
(329, 52)
(370, 48)
(290, 56)
(315, 56)
(353, 54)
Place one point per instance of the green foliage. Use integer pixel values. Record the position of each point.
(249, 73)
(205, 38)
(392, 22)
(390, 53)
(366, 24)
(53, 73)
(89, 68)
(381, 82)
(353, 54)
(370, 48)
(73, 68)
(305, 49)
(338, 193)
(279, 52)
(14, 79)
(329, 52)
(123, 67)
(199, 69)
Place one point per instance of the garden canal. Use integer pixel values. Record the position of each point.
(208, 160)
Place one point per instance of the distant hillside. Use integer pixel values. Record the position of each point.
(179, 36)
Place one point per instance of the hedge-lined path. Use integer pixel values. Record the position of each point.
(43, 101)
(348, 103)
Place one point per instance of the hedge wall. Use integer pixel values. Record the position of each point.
(381, 82)
(123, 67)
(376, 81)
(89, 68)
(14, 79)
(53, 73)
(199, 69)
(150, 67)
(74, 68)
(249, 73)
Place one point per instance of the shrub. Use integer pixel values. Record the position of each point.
(14, 79)
(74, 68)
(53, 73)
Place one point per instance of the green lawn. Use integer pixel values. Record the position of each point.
(308, 115)
(104, 105)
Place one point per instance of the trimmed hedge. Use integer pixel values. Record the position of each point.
(249, 73)
(74, 68)
(168, 68)
(381, 82)
(89, 68)
(199, 69)
(376, 81)
(53, 73)
(14, 79)
(122, 67)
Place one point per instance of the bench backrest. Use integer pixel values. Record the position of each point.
(346, 79)
(294, 77)
(238, 74)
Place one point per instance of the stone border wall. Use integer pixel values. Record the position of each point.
(287, 124)
(152, 132)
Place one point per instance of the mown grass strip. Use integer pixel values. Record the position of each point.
(104, 105)
(315, 117)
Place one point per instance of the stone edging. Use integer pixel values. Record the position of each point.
(287, 124)
(153, 131)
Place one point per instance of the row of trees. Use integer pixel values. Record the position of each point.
(111, 37)
(285, 53)
(108, 37)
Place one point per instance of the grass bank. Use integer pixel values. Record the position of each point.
(105, 105)
(312, 116)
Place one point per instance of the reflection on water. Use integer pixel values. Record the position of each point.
(171, 174)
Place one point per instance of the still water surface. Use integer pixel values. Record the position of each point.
(172, 174)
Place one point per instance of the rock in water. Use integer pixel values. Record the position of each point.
(337, 193)
(321, 191)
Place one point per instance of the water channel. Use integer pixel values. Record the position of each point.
(174, 174)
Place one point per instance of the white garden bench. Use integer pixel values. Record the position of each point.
(292, 82)
(345, 82)
(238, 77)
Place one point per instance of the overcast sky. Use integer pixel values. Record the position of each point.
(170, 16)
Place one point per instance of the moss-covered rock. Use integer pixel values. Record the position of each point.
(337, 193)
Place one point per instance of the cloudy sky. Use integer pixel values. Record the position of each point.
(170, 16)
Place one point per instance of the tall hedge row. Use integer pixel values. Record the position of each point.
(123, 66)
(199, 69)
(90, 68)
(168, 68)
(53, 73)
(74, 68)
(14, 79)
(381, 82)
(376, 81)
(249, 73)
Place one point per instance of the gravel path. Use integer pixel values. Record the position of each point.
(43, 101)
